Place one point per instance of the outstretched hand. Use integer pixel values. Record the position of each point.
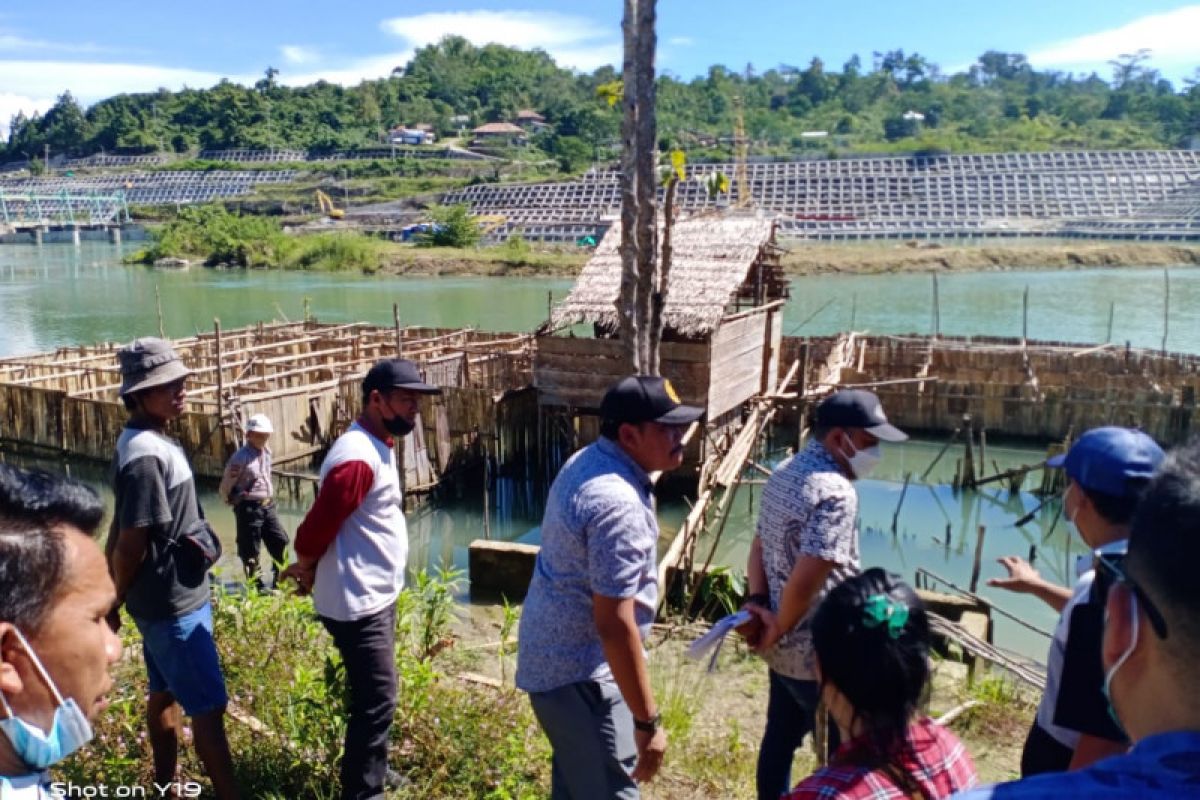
(1022, 577)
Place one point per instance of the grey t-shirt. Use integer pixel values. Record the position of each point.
(599, 536)
(154, 489)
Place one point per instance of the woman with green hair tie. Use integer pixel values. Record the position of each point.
(871, 637)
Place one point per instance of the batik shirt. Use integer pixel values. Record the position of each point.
(809, 508)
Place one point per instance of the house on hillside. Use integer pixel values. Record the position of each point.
(530, 120)
(420, 133)
(499, 134)
(722, 333)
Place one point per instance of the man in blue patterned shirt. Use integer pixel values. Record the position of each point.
(1150, 651)
(806, 543)
(593, 596)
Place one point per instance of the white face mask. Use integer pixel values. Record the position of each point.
(69, 731)
(1111, 672)
(863, 462)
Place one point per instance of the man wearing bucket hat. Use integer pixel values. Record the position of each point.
(351, 551)
(158, 580)
(806, 543)
(247, 486)
(1106, 470)
(594, 594)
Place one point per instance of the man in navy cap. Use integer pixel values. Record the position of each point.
(1106, 469)
(351, 551)
(806, 543)
(594, 594)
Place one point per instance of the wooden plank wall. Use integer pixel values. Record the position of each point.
(1075, 388)
(577, 371)
(738, 349)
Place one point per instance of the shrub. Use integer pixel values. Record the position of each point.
(287, 690)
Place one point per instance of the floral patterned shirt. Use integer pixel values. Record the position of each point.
(809, 508)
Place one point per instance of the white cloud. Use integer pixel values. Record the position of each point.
(681, 41)
(299, 54)
(1170, 37)
(10, 104)
(573, 41)
(11, 42)
(354, 73)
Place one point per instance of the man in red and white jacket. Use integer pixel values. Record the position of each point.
(350, 554)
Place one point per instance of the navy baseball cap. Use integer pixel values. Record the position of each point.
(646, 398)
(1107, 459)
(396, 373)
(857, 408)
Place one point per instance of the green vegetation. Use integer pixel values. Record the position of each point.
(453, 226)
(213, 234)
(287, 687)
(899, 101)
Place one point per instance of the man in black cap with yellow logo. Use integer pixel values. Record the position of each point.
(594, 594)
(806, 543)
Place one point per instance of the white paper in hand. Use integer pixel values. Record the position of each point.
(713, 639)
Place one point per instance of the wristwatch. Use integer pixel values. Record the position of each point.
(648, 725)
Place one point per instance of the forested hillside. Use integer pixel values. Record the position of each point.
(890, 101)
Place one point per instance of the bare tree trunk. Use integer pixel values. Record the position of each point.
(639, 223)
(627, 299)
(647, 183)
(664, 275)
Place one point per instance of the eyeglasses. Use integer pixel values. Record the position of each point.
(1113, 565)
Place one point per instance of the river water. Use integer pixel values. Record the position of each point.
(60, 295)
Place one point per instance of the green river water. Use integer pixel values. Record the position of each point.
(61, 295)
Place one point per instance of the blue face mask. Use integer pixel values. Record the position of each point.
(69, 731)
(1112, 671)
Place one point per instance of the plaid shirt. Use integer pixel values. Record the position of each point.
(941, 767)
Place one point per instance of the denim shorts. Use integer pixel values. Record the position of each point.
(181, 658)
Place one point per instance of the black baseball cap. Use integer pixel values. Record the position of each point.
(396, 373)
(857, 408)
(646, 398)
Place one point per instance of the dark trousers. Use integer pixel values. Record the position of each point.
(1043, 753)
(791, 715)
(258, 524)
(368, 649)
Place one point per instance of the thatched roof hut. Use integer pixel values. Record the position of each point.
(723, 321)
(719, 265)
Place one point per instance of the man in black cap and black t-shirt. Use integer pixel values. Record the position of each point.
(805, 544)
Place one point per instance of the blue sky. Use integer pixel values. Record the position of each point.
(97, 49)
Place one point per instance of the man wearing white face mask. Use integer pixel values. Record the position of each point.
(1107, 469)
(56, 647)
(1151, 646)
(806, 543)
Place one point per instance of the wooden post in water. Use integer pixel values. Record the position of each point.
(978, 560)
(1166, 306)
(968, 462)
(937, 311)
(1111, 308)
(1025, 316)
(903, 492)
(396, 322)
(983, 452)
(220, 382)
(158, 305)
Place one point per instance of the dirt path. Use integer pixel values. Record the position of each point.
(716, 719)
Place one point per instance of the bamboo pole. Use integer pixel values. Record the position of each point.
(220, 381)
(399, 334)
(1166, 306)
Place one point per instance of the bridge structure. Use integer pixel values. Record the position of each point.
(24, 209)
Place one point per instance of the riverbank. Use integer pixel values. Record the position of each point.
(814, 259)
(891, 257)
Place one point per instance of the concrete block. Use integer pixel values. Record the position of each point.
(504, 568)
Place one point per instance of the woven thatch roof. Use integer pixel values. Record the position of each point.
(711, 259)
